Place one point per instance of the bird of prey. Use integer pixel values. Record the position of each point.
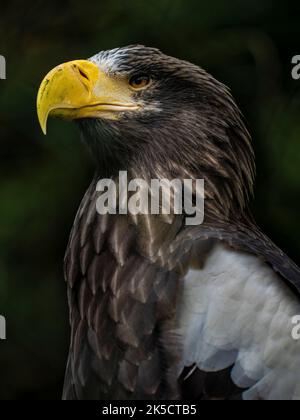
(160, 309)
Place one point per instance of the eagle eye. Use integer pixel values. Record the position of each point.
(140, 81)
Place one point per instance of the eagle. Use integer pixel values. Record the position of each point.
(162, 310)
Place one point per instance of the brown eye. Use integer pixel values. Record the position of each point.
(139, 82)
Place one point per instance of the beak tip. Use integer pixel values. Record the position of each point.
(44, 128)
(43, 119)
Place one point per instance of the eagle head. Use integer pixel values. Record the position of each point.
(139, 108)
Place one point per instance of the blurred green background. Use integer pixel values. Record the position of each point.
(246, 44)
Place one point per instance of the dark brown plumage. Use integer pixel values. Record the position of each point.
(125, 274)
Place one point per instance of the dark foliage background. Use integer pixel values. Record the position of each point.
(246, 44)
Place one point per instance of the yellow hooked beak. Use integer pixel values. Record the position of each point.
(79, 89)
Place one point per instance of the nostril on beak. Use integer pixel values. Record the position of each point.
(82, 73)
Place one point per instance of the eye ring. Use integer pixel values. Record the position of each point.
(140, 81)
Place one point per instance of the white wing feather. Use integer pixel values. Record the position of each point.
(238, 311)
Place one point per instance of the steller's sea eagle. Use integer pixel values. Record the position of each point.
(160, 309)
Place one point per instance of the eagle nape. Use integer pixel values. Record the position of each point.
(160, 309)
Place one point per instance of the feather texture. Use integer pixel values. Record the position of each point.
(237, 312)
